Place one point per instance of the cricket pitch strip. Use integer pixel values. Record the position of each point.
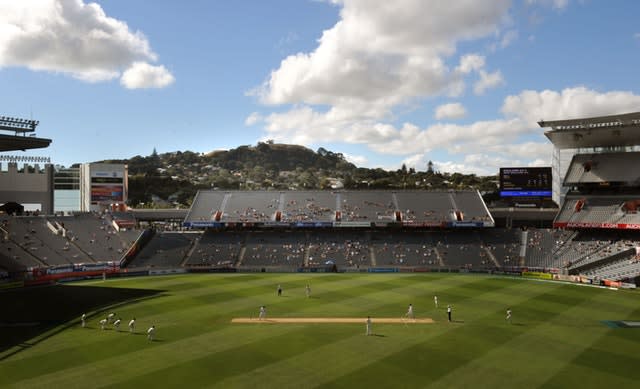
(330, 320)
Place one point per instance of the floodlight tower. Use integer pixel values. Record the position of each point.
(22, 142)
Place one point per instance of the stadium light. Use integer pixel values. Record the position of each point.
(18, 124)
(20, 158)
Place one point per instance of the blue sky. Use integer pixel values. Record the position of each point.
(460, 83)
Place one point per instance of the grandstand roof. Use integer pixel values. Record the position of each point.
(600, 131)
(14, 142)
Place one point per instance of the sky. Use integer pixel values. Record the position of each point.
(461, 83)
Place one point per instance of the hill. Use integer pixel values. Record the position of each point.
(173, 178)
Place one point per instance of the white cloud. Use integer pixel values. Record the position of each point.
(508, 38)
(252, 119)
(450, 111)
(403, 58)
(515, 139)
(69, 37)
(358, 160)
(533, 106)
(359, 86)
(487, 81)
(470, 62)
(142, 75)
(347, 92)
(555, 4)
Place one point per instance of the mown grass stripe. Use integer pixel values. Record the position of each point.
(122, 367)
(396, 341)
(200, 347)
(532, 350)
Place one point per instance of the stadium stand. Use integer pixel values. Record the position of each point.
(165, 250)
(216, 249)
(36, 236)
(308, 206)
(504, 245)
(362, 208)
(463, 249)
(274, 248)
(93, 234)
(404, 248)
(343, 249)
(603, 168)
(594, 235)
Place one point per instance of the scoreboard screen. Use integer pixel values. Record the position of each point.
(525, 182)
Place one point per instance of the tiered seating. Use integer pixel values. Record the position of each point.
(504, 245)
(427, 207)
(462, 249)
(621, 269)
(589, 246)
(418, 208)
(605, 167)
(614, 245)
(14, 258)
(33, 235)
(94, 235)
(308, 206)
(596, 211)
(216, 248)
(367, 206)
(407, 248)
(164, 250)
(275, 248)
(542, 246)
(251, 207)
(472, 205)
(339, 248)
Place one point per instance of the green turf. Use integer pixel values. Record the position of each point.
(557, 338)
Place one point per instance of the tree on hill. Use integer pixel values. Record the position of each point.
(275, 166)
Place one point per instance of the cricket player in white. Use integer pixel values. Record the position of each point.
(435, 300)
(116, 324)
(132, 325)
(263, 313)
(84, 320)
(508, 318)
(110, 317)
(409, 314)
(308, 291)
(369, 326)
(151, 332)
(103, 322)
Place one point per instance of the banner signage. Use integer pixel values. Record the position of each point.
(619, 226)
(352, 224)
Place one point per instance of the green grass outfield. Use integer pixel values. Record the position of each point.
(557, 338)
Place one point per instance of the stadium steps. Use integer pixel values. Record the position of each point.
(597, 261)
(372, 255)
(28, 252)
(485, 248)
(240, 258)
(306, 250)
(88, 256)
(189, 253)
(439, 256)
(524, 240)
(490, 255)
